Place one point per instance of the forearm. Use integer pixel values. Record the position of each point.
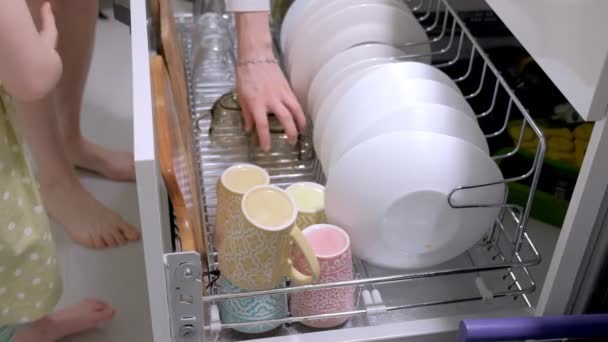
(248, 5)
(254, 38)
(30, 68)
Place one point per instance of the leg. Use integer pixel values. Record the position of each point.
(85, 219)
(76, 21)
(86, 315)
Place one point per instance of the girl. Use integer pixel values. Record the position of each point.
(30, 282)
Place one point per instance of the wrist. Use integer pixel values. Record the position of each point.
(244, 62)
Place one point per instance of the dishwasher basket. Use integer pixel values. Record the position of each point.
(492, 273)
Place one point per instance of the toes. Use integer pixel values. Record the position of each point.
(105, 315)
(99, 243)
(88, 242)
(109, 240)
(120, 239)
(94, 304)
(130, 232)
(101, 311)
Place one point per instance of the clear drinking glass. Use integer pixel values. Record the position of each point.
(213, 53)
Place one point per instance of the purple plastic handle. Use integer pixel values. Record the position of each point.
(539, 328)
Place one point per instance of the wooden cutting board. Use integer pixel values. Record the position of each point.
(177, 168)
(155, 14)
(171, 49)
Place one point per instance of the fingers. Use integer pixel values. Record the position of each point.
(296, 111)
(248, 118)
(49, 28)
(261, 124)
(286, 119)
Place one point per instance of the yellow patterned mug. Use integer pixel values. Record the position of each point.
(310, 200)
(232, 185)
(258, 255)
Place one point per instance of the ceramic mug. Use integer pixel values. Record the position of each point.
(332, 247)
(231, 187)
(251, 309)
(256, 254)
(309, 198)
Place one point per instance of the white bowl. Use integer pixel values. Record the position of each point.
(351, 60)
(305, 12)
(351, 26)
(390, 194)
(391, 117)
(294, 15)
(352, 110)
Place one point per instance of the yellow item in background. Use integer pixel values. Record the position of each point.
(515, 131)
(530, 146)
(561, 145)
(557, 133)
(583, 132)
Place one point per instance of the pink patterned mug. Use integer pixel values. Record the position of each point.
(332, 248)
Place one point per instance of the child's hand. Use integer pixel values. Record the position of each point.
(48, 33)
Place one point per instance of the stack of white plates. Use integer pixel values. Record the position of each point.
(395, 138)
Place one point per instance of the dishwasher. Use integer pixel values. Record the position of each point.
(513, 271)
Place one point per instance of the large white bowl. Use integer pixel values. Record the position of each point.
(324, 103)
(304, 13)
(392, 117)
(390, 194)
(355, 108)
(350, 26)
(350, 61)
(294, 15)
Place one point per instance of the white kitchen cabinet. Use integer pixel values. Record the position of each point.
(424, 309)
(567, 39)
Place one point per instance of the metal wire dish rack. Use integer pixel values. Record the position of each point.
(493, 274)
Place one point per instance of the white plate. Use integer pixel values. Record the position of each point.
(390, 194)
(294, 15)
(306, 12)
(390, 117)
(351, 26)
(349, 61)
(355, 107)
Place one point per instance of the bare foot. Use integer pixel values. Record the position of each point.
(86, 220)
(86, 315)
(114, 165)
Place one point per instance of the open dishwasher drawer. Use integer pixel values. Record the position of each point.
(491, 279)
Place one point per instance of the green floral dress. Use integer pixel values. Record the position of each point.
(30, 281)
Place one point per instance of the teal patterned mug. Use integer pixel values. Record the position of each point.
(251, 309)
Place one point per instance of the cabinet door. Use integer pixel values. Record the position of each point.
(153, 206)
(567, 39)
(579, 246)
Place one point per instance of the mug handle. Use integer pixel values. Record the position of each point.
(297, 277)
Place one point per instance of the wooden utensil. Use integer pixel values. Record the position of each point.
(155, 14)
(176, 164)
(171, 50)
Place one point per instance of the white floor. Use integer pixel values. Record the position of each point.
(117, 275)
